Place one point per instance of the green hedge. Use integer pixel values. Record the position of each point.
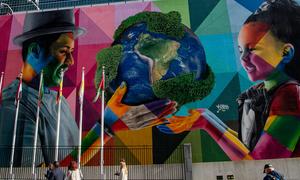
(169, 23)
(185, 88)
(110, 58)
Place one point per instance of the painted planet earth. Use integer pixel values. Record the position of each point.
(149, 57)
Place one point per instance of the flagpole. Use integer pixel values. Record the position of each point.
(58, 115)
(81, 94)
(17, 103)
(37, 124)
(102, 125)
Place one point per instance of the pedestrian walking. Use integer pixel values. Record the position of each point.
(58, 174)
(271, 174)
(73, 172)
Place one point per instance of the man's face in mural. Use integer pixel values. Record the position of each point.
(261, 52)
(61, 50)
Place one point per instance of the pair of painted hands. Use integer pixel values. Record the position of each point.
(119, 116)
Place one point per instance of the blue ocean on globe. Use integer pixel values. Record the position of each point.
(149, 57)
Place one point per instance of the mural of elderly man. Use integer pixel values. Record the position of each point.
(47, 45)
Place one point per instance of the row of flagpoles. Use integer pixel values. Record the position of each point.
(58, 100)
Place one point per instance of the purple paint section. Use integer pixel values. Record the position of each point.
(269, 148)
(157, 104)
(5, 25)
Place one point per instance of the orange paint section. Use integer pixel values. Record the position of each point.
(251, 33)
(118, 108)
(248, 157)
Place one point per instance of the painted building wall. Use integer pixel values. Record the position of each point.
(215, 22)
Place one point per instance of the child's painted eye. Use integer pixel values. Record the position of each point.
(241, 49)
(251, 49)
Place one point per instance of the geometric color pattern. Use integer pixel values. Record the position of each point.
(215, 22)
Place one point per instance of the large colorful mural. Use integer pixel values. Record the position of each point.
(186, 71)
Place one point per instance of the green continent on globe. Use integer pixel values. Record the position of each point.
(160, 51)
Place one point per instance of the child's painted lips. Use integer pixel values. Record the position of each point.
(249, 68)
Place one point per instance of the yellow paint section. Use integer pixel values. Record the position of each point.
(270, 120)
(248, 157)
(270, 49)
(234, 133)
(237, 142)
(138, 138)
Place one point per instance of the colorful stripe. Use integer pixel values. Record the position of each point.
(1, 86)
(93, 149)
(286, 130)
(241, 150)
(59, 93)
(90, 146)
(269, 148)
(87, 155)
(215, 121)
(270, 120)
(224, 136)
(110, 117)
(81, 90)
(232, 148)
(101, 85)
(87, 142)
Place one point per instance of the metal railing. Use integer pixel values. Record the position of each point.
(140, 162)
(13, 6)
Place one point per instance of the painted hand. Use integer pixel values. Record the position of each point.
(119, 116)
(178, 124)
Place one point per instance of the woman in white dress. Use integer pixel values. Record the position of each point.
(73, 172)
(123, 170)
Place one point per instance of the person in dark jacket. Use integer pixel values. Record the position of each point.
(58, 174)
(271, 174)
(49, 172)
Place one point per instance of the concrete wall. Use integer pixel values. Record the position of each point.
(242, 170)
(136, 172)
(246, 170)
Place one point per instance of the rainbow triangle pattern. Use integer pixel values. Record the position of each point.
(216, 22)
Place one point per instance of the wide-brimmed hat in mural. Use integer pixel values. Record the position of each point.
(50, 22)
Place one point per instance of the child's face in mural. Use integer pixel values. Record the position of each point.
(61, 50)
(261, 52)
